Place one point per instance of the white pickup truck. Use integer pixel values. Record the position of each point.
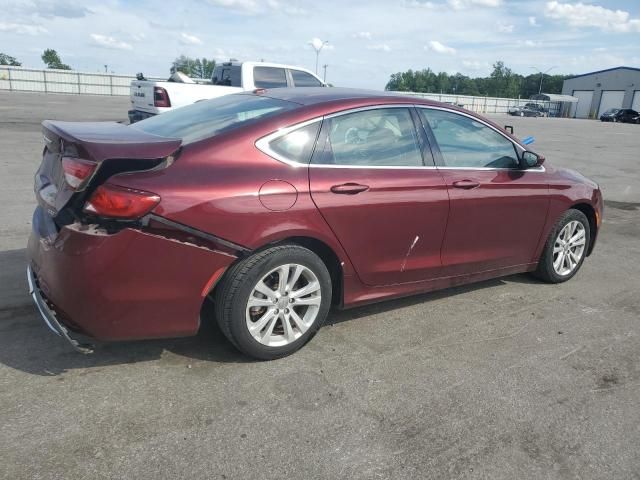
(150, 98)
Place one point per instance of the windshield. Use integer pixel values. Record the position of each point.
(210, 117)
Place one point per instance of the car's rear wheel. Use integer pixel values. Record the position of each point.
(271, 303)
(566, 248)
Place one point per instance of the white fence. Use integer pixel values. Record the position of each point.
(63, 81)
(69, 81)
(476, 104)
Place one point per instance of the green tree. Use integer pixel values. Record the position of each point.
(52, 60)
(9, 60)
(203, 68)
(196, 68)
(502, 82)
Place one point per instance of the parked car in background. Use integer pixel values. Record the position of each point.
(279, 204)
(624, 115)
(149, 98)
(528, 110)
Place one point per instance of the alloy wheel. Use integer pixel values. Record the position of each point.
(569, 248)
(283, 305)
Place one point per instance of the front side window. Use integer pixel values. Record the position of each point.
(372, 138)
(269, 77)
(297, 145)
(467, 143)
(304, 79)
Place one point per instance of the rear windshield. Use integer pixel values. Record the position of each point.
(228, 75)
(210, 117)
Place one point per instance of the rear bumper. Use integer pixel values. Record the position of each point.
(49, 315)
(137, 115)
(122, 286)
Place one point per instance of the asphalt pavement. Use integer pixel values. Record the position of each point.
(505, 379)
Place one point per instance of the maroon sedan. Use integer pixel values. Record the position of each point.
(278, 205)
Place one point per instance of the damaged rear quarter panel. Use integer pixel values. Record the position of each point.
(126, 285)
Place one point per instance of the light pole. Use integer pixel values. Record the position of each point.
(318, 45)
(542, 74)
(324, 77)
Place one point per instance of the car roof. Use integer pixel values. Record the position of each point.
(315, 95)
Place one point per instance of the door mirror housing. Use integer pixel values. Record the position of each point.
(530, 160)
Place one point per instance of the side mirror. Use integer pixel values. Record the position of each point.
(530, 160)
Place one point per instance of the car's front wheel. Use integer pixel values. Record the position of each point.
(271, 303)
(566, 248)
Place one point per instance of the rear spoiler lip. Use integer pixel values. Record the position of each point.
(111, 140)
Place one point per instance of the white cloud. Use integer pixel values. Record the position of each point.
(418, 4)
(110, 42)
(187, 39)
(382, 47)
(530, 43)
(285, 8)
(22, 28)
(504, 28)
(241, 6)
(475, 65)
(462, 4)
(364, 35)
(255, 7)
(581, 15)
(48, 9)
(533, 22)
(438, 47)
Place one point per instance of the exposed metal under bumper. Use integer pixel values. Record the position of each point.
(49, 315)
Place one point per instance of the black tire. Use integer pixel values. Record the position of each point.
(545, 270)
(232, 295)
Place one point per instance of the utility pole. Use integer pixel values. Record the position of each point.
(542, 74)
(318, 45)
(324, 77)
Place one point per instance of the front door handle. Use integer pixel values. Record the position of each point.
(466, 184)
(349, 188)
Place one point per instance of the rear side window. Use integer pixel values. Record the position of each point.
(297, 145)
(269, 77)
(304, 79)
(210, 117)
(227, 75)
(466, 143)
(371, 138)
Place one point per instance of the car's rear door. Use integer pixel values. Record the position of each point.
(386, 204)
(497, 209)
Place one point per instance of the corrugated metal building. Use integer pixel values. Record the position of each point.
(599, 91)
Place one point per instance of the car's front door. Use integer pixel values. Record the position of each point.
(497, 210)
(386, 205)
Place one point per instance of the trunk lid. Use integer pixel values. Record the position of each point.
(107, 144)
(141, 92)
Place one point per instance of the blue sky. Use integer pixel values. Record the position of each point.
(368, 39)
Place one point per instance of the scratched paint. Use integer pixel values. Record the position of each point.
(406, 257)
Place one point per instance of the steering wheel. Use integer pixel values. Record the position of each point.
(352, 136)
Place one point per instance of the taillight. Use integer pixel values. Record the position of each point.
(77, 171)
(113, 201)
(160, 97)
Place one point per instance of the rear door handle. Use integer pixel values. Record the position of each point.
(349, 188)
(466, 184)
